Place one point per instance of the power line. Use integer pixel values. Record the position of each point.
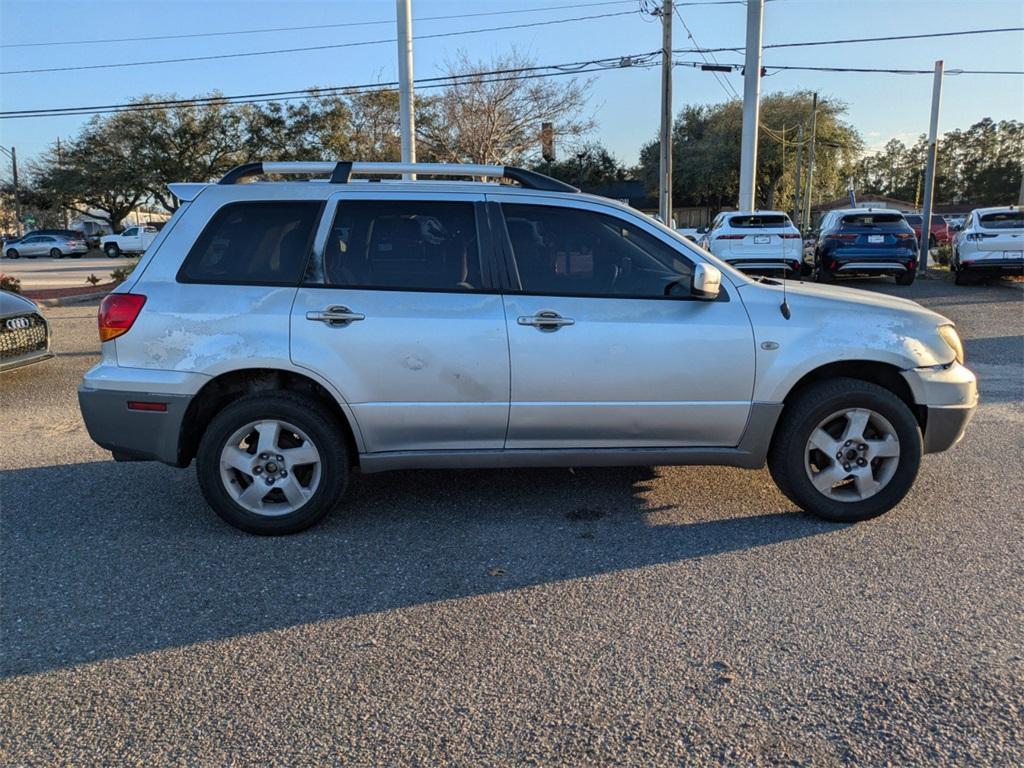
(887, 38)
(308, 26)
(332, 46)
(722, 81)
(631, 60)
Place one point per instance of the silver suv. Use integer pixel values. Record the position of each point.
(286, 333)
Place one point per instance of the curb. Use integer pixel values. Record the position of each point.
(64, 301)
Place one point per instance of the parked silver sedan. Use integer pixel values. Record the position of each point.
(24, 332)
(57, 246)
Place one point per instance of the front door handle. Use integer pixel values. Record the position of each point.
(336, 316)
(546, 320)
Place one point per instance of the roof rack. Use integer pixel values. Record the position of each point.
(342, 172)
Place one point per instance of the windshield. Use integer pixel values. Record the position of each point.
(872, 219)
(690, 246)
(1003, 220)
(759, 221)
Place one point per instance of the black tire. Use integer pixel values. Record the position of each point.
(12, 254)
(305, 413)
(931, 242)
(823, 275)
(56, 253)
(906, 278)
(113, 250)
(960, 276)
(816, 402)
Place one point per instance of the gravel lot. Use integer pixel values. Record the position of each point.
(643, 616)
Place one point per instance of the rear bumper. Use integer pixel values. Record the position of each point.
(753, 264)
(133, 435)
(995, 266)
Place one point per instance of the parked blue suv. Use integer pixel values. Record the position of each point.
(865, 241)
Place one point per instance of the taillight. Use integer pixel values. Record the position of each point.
(118, 312)
(841, 237)
(977, 237)
(790, 236)
(730, 237)
(904, 235)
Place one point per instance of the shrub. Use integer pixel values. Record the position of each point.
(120, 274)
(943, 254)
(92, 279)
(10, 283)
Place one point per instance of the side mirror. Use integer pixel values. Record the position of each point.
(706, 282)
(957, 227)
(702, 230)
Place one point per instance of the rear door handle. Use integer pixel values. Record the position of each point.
(546, 320)
(335, 316)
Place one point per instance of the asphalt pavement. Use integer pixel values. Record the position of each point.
(654, 616)
(46, 272)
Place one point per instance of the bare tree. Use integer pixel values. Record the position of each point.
(496, 118)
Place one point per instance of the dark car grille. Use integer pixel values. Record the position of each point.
(28, 335)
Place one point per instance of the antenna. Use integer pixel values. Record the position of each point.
(784, 306)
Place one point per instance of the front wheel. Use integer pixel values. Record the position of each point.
(845, 450)
(906, 278)
(56, 253)
(273, 464)
(112, 250)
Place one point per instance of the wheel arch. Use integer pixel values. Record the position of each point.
(883, 374)
(225, 388)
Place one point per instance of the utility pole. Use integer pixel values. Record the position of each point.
(751, 104)
(13, 154)
(60, 165)
(406, 112)
(810, 165)
(797, 208)
(1020, 196)
(665, 164)
(929, 172)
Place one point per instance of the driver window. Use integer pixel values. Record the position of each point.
(568, 251)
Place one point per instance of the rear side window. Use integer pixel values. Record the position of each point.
(1003, 220)
(254, 243)
(404, 245)
(759, 221)
(885, 220)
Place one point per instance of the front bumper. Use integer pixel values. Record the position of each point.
(134, 435)
(949, 394)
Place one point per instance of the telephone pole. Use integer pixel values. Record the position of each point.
(929, 171)
(13, 154)
(60, 165)
(797, 207)
(665, 164)
(406, 108)
(751, 104)
(810, 165)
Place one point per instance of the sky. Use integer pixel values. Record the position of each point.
(624, 102)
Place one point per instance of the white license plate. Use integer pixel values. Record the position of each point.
(876, 238)
(762, 239)
(1013, 254)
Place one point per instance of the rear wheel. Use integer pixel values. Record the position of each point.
(12, 254)
(960, 276)
(273, 464)
(906, 278)
(112, 250)
(823, 275)
(56, 253)
(846, 450)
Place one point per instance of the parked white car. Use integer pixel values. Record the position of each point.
(756, 241)
(134, 240)
(990, 244)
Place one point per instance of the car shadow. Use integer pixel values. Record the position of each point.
(104, 560)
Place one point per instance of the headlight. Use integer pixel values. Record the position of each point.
(952, 338)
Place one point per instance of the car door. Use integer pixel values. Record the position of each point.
(401, 314)
(130, 239)
(35, 246)
(608, 349)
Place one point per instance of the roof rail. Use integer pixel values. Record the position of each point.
(342, 172)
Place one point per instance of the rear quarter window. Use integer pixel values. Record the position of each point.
(254, 243)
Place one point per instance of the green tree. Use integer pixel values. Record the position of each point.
(589, 165)
(706, 151)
